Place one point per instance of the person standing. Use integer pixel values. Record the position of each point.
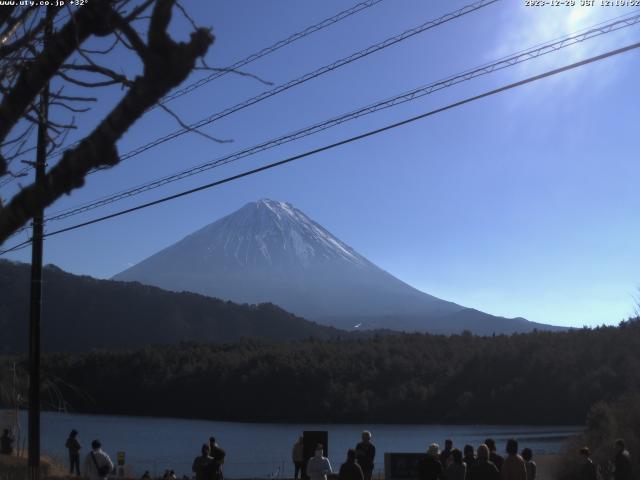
(446, 453)
(318, 466)
(469, 457)
(513, 467)
(297, 455)
(218, 456)
(483, 468)
(622, 462)
(74, 447)
(365, 454)
(430, 468)
(97, 464)
(6, 442)
(456, 470)
(494, 457)
(530, 465)
(588, 471)
(203, 465)
(350, 470)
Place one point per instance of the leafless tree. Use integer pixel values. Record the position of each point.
(28, 62)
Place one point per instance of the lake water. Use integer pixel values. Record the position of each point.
(263, 450)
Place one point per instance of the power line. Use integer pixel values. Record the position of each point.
(311, 75)
(505, 62)
(19, 246)
(362, 136)
(272, 48)
(357, 8)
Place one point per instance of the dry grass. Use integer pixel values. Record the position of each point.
(14, 468)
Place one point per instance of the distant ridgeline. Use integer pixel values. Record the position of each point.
(81, 313)
(540, 377)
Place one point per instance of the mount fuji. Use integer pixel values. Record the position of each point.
(269, 251)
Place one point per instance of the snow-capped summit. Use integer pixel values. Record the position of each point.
(276, 234)
(269, 251)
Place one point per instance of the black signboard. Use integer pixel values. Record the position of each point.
(312, 438)
(401, 466)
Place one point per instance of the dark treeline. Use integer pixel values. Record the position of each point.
(527, 378)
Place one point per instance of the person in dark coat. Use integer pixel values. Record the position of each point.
(483, 468)
(469, 457)
(457, 469)
(203, 465)
(74, 447)
(430, 468)
(588, 471)
(350, 470)
(494, 457)
(218, 456)
(297, 455)
(622, 462)
(365, 454)
(530, 465)
(446, 453)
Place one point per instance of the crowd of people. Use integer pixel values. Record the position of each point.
(483, 463)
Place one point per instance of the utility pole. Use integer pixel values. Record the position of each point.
(36, 281)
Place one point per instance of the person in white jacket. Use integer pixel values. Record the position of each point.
(318, 466)
(97, 464)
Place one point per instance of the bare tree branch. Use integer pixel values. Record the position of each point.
(166, 64)
(107, 72)
(191, 129)
(85, 21)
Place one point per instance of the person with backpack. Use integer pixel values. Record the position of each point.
(74, 447)
(97, 464)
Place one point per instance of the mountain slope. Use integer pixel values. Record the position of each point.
(81, 313)
(269, 251)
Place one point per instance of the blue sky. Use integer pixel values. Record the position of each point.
(522, 204)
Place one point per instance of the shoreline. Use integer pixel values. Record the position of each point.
(573, 427)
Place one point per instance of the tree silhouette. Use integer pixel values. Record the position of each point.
(29, 61)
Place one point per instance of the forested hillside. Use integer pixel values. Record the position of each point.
(81, 313)
(540, 377)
